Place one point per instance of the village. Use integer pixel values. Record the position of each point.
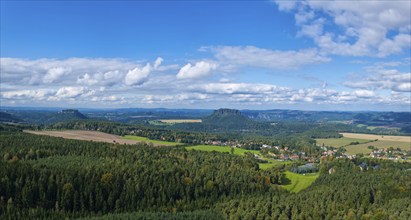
(293, 154)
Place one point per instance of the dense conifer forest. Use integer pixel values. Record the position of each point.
(53, 178)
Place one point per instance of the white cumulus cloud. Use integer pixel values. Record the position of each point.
(158, 62)
(380, 77)
(364, 93)
(37, 94)
(139, 75)
(198, 70)
(237, 88)
(55, 73)
(72, 92)
(354, 28)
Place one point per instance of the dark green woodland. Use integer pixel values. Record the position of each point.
(45, 177)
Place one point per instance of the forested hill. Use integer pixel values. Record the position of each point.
(228, 118)
(65, 115)
(223, 120)
(41, 117)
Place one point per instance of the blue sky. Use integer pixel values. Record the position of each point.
(311, 55)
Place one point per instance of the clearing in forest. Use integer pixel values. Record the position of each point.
(237, 151)
(272, 163)
(175, 121)
(298, 182)
(155, 142)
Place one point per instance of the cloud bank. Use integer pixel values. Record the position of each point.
(353, 28)
(125, 83)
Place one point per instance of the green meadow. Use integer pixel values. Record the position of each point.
(209, 148)
(272, 163)
(155, 142)
(298, 182)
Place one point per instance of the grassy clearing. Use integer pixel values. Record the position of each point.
(265, 166)
(272, 163)
(157, 123)
(358, 149)
(209, 148)
(175, 121)
(367, 127)
(340, 122)
(155, 142)
(298, 182)
(339, 142)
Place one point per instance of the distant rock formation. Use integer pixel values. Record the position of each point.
(228, 118)
(66, 115)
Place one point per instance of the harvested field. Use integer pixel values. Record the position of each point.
(365, 140)
(86, 136)
(340, 142)
(379, 137)
(363, 148)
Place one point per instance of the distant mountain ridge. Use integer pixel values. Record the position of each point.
(221, 119)
(7, 117)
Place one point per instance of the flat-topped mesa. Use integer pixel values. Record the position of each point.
(74, 113)
(228, 118)
(226, 111)
(65, 115)
(69, 111)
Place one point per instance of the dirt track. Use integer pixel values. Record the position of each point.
(85, 135)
